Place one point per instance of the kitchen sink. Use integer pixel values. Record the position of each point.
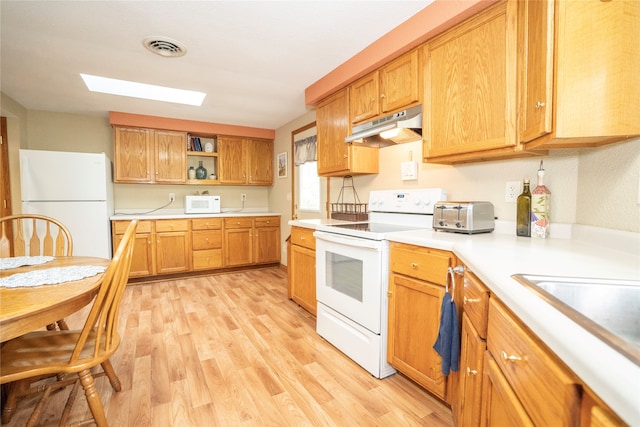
(610, 309)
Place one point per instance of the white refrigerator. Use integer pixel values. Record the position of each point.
(74, 188)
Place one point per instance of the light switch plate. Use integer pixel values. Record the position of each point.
(409, 170)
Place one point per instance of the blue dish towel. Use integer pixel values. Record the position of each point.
(448, 342)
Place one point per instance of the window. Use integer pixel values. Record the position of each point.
(309, 187)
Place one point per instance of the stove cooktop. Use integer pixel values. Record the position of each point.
(373, 227)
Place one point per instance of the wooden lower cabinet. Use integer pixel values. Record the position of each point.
(302, 268)
(416, 288)
(266, 239)
(594, 413)
(173, 246)
(246, 243)
(472, 348)
(500, 405)
(142, 262)
(206, 242)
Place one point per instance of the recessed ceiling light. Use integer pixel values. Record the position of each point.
(142, 90)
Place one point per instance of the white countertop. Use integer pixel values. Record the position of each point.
(587, 252)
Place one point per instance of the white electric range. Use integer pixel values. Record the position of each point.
(352, 269)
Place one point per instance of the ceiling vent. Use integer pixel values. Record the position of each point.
(164, 46)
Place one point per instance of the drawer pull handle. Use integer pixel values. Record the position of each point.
(513, 358)
(470, 300)
(414, 265)
(471, 371)
(539, 104)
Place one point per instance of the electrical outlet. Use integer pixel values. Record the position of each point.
(172, 197)
(243, 197)
(512, 190)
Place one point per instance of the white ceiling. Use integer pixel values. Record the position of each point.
(254, 59)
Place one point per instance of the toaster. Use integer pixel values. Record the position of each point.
(464, 217)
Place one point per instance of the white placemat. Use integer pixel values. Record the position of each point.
(51, 276)
(19, 261)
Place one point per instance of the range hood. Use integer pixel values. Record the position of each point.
(403, 126)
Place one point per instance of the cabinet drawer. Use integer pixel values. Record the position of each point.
(419, 262)
(547, 389)
(303, 237)
(143, 227)
(267, 221)
(246, 222)
(204, 260)
(476, 302)
(206, 240)
(165, 225)
(206, 224)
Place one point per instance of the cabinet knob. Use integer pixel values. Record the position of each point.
(513, 358)
(539, 104)
(382, 95)
(345, 156)
(470, 300)
(471, 371)
(373, 100)
(414, 265)
(389, 294)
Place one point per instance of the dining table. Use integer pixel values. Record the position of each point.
(25, 309)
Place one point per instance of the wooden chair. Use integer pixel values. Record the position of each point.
(77, 351)
(35, 235)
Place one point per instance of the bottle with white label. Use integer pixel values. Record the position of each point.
(540, 201)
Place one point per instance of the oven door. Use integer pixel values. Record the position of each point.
(351, 277)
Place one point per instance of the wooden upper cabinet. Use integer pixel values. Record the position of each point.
(392, 87)
(400, 83)
(336, 157)
(535, 63)
(133, 155)
(245, 161)
(596, 97)
(150, 156)
(170, 156)
(471, 89)
(231, 158)
(260, 161)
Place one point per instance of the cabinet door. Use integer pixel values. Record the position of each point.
(172, 252)
(266, 242)
(332, 124)
(132, 155)
(470, 90)
(173, 246)
(363, 96)
(500, 405)
(141, 260)
(399, 83)
(238, 248)
(302, 282)
(260, 161)
(535, 66)
(472, 348)
(414, 318)
(231, 160)
(170, 161)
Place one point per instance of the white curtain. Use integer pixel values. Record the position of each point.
(304, 150)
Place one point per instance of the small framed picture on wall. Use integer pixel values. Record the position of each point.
(282, 165)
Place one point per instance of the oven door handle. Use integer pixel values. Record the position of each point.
(348, 240)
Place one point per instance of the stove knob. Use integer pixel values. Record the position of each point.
(441, 223)
(458, 224)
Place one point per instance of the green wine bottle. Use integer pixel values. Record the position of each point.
(523, 213)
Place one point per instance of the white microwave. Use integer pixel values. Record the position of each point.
(202, 204)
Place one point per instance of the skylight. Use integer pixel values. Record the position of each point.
(142, 90)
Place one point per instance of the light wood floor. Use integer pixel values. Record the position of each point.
(232, 350)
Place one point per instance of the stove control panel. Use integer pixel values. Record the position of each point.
(418, 200)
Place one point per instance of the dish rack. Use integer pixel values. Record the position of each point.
(355, 211)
